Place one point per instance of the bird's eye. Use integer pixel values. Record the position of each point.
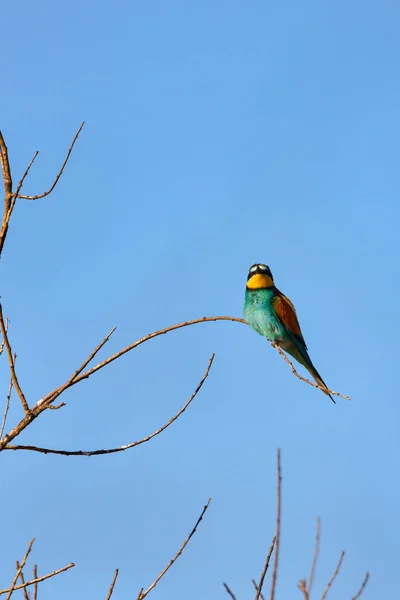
(254, 268)
(263, 267)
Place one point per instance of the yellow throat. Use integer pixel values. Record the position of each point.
(259, 281)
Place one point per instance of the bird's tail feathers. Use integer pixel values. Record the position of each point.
(301, 355)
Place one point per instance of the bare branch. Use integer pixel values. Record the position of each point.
(274, 345)
(260, 585)
(38, 196)
(127, 446)
(6, 173)
(17, 574)
(143, 594)
(332, 579)
(79, 376)
(110, 591)
(37, 580)
(3, 342)
(315, 557)
(11, 362)
(232, 595)
(278, 527)
(362, 588)
(8, 399)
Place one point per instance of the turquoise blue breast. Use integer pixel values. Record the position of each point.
(260, 315)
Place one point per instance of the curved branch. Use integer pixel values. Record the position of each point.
(362, 588)
(142, 340)
(126, 446)
(60, 172)
(78, 376)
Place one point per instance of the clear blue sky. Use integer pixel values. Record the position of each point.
(218, 134)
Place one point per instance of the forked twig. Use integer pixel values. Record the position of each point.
(278, 527)
(266, 565)
(111, 589)
(36, 580)
(142, 594)
(38, 196)
(13, 586)
(79, 376)
(126, 446)
(11, 362)
(21, 576)
(278, 349)
(256, 588)
(332, 579)
(45, 402)
(49, 398)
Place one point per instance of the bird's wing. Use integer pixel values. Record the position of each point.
(287, 313)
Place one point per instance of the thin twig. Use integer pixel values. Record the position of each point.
(35, 585)
(332, 579)
(142, 594)
(274, 345)
(232, 595)
(260, 585)
(45, 402)
(127, 446)
(3, 342)
(315, 557)
(21, 575)
(54, 395)
(38, 196)
(256, 588)
(21, 181)
(110, 591)
(8, 195)
(302, 585)
(37, 580)
(278, 527)
(11, 363)
(8, 399)
(362, 588)
(10, 199)
(17, 574)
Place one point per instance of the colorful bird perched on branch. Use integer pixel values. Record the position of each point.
(272, 315)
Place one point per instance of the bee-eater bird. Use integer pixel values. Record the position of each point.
(272, 315)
